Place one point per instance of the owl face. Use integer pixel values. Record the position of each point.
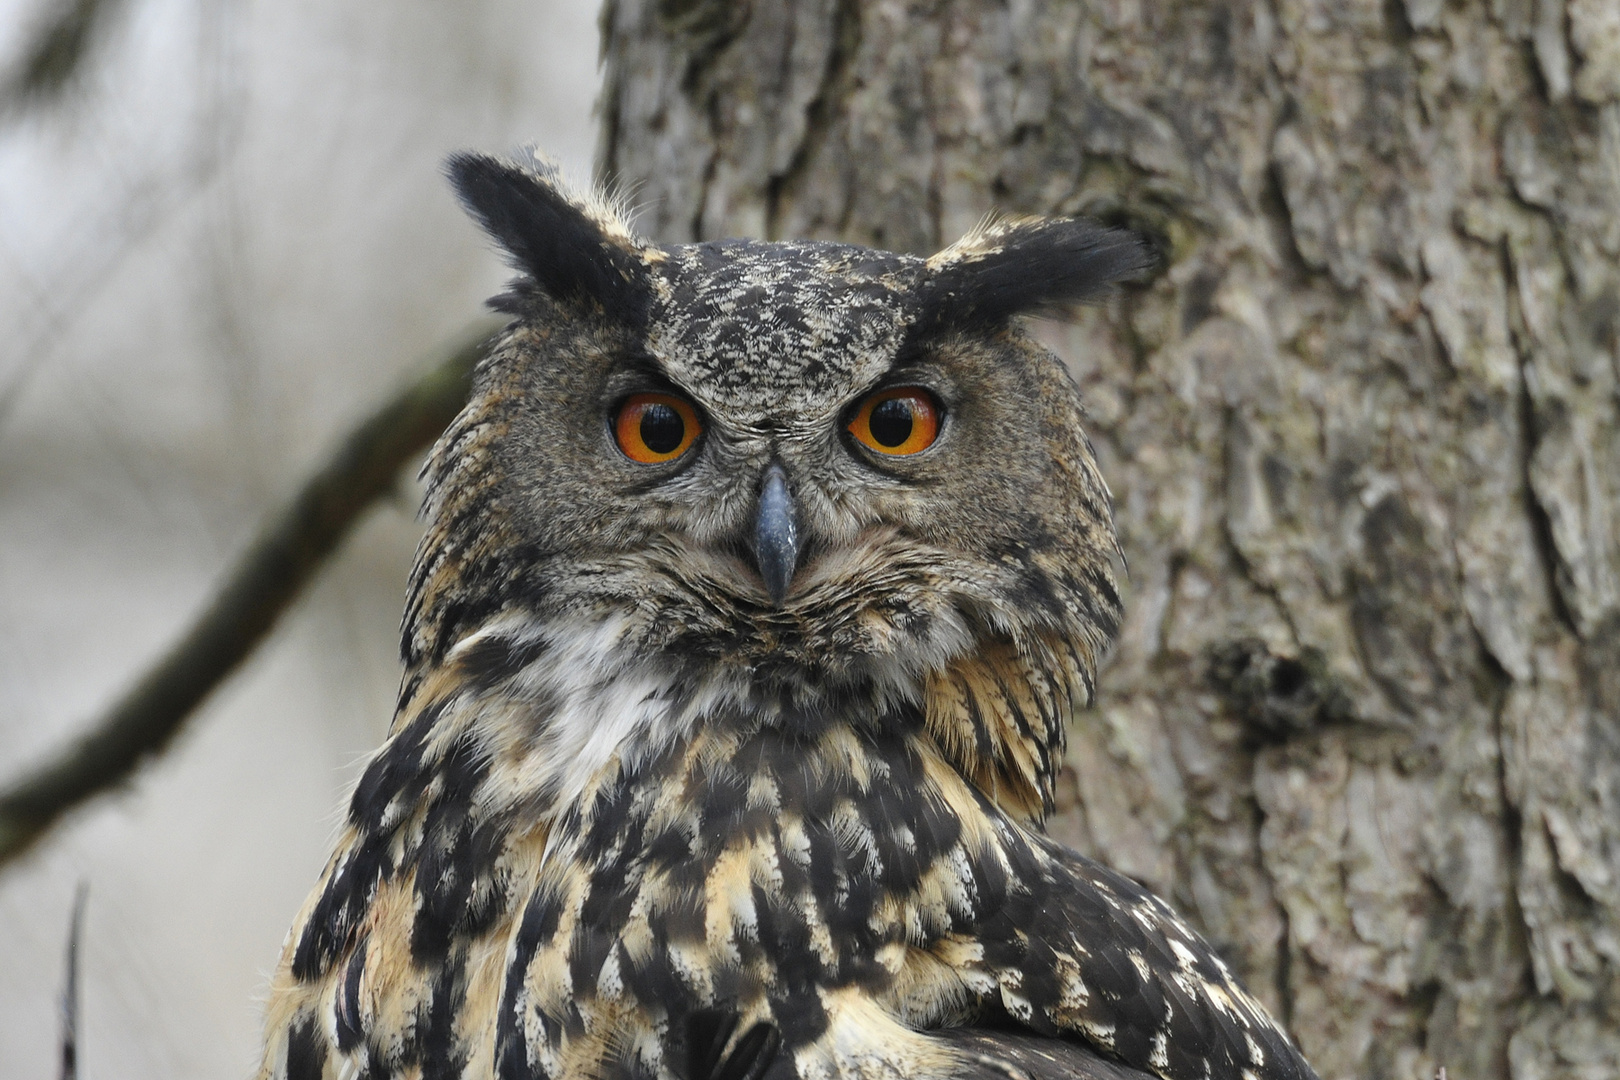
(803, 468)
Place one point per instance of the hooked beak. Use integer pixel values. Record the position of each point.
(776, 534)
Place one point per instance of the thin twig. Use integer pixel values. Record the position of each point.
(265, 582)
(56, 55)
(70, 987)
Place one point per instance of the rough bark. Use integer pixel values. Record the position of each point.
(1363, 433)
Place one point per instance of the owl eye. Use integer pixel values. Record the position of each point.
(899, 421)
(655, 428)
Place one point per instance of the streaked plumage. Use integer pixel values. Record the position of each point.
(651, 808)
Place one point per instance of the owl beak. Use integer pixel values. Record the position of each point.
(776, 534)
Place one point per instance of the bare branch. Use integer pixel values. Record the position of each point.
(57, 53)
(70, 986)
(265, 582)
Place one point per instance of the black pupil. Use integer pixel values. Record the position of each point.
(890, 422)
(662, 428)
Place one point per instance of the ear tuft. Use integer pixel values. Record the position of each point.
(576, 248)
(1025, 266)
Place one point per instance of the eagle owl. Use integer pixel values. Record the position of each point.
(759, 581)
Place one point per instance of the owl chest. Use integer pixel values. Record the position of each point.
(776, 878)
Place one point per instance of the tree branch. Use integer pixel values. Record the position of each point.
(57, 52)
(266, 581)
(70, 986)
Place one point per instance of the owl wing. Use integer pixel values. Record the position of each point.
(1010, 1055)
(1079, 951)
(395, 961)
(707, 1033)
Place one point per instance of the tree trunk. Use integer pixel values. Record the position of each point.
(1363, 723)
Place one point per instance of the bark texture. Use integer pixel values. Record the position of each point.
(1363, 433)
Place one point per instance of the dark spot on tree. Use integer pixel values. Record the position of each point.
(1276, 697)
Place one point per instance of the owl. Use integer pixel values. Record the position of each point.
(758, 583)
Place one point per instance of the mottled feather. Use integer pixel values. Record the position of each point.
(639, 815)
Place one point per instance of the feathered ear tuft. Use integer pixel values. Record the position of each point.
(576, 249)
(1025, 266)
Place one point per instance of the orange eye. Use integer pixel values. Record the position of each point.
(655, 428)
(903, 420)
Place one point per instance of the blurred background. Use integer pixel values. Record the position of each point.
(227, 241)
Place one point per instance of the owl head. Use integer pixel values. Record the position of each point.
(794, 480)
